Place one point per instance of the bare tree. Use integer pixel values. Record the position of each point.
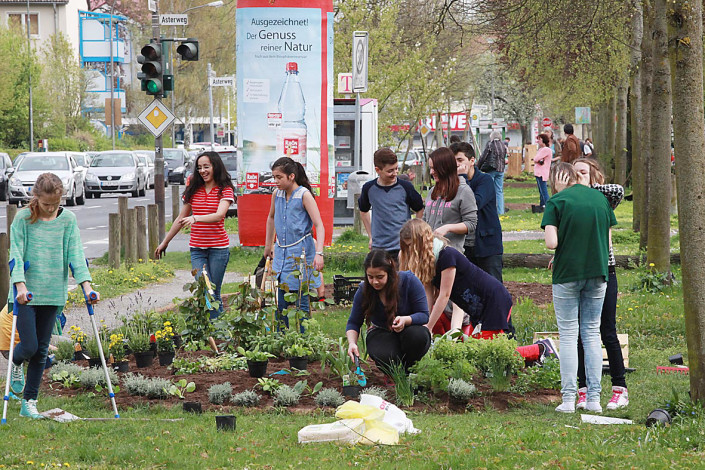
(659, 241)
(635, 103)
(685, 31)
(641, 199)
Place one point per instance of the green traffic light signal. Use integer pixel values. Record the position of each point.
(152, 68)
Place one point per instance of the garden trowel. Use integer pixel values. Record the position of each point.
(361, 379)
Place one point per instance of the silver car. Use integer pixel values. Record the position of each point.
(116, 171)
(33, 164)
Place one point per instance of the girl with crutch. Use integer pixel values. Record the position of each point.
(46, 236)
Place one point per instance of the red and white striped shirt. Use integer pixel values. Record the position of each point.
(204, 234)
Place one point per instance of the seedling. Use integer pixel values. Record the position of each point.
(180, 388)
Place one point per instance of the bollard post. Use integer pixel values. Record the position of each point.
(114, 240)
(4, 267)
(141, 215)
(152, 228)
(175, 202)
(122, 210)
(11, 212)
(131, 236)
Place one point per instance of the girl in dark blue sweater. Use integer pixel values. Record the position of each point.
(394, 307)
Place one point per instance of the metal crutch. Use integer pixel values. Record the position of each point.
(6, 398)
(88, 298)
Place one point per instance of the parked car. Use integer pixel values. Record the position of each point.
(148, 169)
(33, 164)
(178, 160)
(150, 154)
(84, 161)
(116, 171)
(5, 172)
(229, 158)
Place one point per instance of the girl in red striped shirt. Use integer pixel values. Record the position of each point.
(206, 199)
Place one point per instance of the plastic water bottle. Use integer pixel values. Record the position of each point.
(291, 137)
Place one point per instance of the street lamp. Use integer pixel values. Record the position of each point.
(216, 4)
(490, 41)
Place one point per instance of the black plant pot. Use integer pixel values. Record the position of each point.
(536, 209)
(193, 407)
(352, 391)
(225, 423)
(95, 362)
(298, 362)
(178, 341)
(658, 417)
(79, 355)
(144, 359)
(257, 369)
(122, 366)
(166, 358)
(153, 349)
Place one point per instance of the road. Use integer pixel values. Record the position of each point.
(93, 220)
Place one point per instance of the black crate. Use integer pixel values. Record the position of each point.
(344, 288)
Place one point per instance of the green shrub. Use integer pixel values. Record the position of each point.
(286, 396)
(89, 378)
(498, 359)
(548, 376)
(329, 397)
(220, 393)
(376, 391)
(67, 374)
(64, 351)
(248, 398)
(150, 387)
(461, 390)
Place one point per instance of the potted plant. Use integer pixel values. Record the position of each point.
(341, 364)
(117, 352)
(298, 356)
(165, 344)
(93, 352)
(256, 361)
(138, 341)
(79, 340)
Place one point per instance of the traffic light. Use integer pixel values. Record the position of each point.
(152, 68)
(188, 49)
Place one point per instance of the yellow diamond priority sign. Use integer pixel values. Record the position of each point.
(156, 117)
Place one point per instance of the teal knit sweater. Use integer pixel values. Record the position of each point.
(49, 247)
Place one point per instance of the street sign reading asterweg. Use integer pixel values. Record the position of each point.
(173, 20)
(156, 117)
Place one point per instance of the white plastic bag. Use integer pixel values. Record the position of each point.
(392, 416)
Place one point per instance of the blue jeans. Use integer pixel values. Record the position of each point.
(543, 191)
(215, 260)
(585, 296)
(34, 325)
(301, 303)
(498, 177)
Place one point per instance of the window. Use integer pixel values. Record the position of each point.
(19, 20)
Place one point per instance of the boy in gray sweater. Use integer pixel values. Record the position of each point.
(392, 200)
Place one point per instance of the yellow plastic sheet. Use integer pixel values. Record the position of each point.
(352, 409)
(379, 432)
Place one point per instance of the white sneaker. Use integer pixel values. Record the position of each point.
(566, 407)
(593, 406)
(620, 398)
(582, 398)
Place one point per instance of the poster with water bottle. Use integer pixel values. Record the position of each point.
(285, 94)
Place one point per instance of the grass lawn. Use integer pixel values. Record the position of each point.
(525, 436)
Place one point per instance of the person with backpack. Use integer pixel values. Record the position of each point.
(492, 161)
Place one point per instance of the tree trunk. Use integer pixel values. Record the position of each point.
(620, 145)
(635, 103)
(642, 204)
(659, 240)
(686, 53)
(608, 158)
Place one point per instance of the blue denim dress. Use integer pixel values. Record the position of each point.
(294, 235)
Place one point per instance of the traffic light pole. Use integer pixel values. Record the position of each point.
(158, 147)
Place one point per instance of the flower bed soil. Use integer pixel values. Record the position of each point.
(240, 381)
(541, 294)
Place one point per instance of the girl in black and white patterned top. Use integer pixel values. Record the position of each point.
(591, 175)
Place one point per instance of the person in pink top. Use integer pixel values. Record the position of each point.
(542, 166)
(207, 198)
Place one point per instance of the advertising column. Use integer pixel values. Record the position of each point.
(284, 104)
